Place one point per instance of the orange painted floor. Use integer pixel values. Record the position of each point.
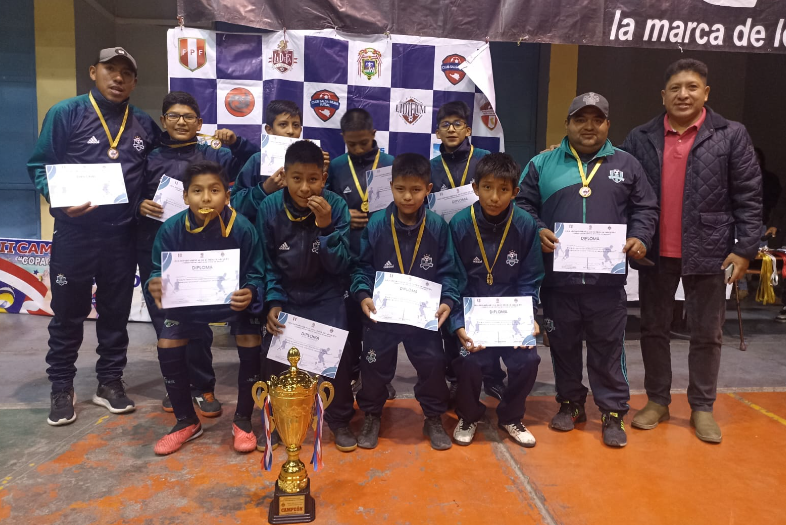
(105, 472)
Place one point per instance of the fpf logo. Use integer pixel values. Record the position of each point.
(325, 104)
(239, 102)
(192, 53)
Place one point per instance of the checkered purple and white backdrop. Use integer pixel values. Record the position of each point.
(402, 81)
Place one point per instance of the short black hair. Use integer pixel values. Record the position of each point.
(412, 165)
(357, 119)
(205, 167)
(174, 98)
(458, 108)
(304, 152)
(499, 166)
(686, 64)
(279, 107)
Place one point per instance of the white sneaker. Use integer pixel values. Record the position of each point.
(520, 434)
(464, 432)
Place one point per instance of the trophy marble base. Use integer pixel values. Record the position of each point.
(295, 507)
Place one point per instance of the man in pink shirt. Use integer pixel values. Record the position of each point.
(708, 180)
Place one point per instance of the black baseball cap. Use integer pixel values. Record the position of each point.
(107, 54)
(589, 99)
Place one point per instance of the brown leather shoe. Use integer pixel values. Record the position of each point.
(648, 417)
(706, 428)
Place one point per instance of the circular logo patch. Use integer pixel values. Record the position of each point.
(239, 102)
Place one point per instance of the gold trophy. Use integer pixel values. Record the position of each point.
(292, 396)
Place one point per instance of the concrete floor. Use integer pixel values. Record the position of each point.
(102, 469)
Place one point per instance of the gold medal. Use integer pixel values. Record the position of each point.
(364, 206)
(215, 144)
(398, 249)
(225, 228)
(585, 191)
(112, 153)
(489, 277)
(466, 168)
(363, 194)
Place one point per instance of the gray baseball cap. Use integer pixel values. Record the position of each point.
(105, 55)
(589, 99)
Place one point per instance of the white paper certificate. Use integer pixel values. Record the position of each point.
(272, 152)
(320, 345)
(499, 321)
(378, 186)
(170, 196)
(199, 278)
(76, 184)
(447, 203)
(590, 248)
(405, 299)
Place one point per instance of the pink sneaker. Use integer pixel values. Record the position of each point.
(244, 441)
(174, 440)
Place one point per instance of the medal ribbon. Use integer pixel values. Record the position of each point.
(224, 229)
(112, 142)
(585, 181)
(296, 219)
(267, 459)
(398, 249)
(489, 278)
(175, 146)
(363, 195)
(316, 459)
(466, 168)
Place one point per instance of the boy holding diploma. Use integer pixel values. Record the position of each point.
(491, 229)
(304, 231)
(209, 224)
(179, 147)
(410, 239)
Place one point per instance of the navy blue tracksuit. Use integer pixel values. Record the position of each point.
(98, 245)
(171, 158)
(518, 273)
(306, 271)
(592, 303)
(435, 261)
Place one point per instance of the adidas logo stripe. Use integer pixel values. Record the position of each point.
(284, 247)
(347, 190)
(387, 265)
(477, 260)
(93, 140)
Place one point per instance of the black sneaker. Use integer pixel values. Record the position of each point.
(113, 396)
(275, 441)
(207, 405)
(781, 317)
(391, 391)
(613, 430)
(345, 439)
(433, 429)
(369, 434)
(494, 389)
(569, 414)
(166, 404)
(62, 408)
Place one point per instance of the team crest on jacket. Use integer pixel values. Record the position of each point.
(239, 102)
(283, 58)
(411, 110)
(450, 68)
(315, 246)
(325, 104)
(512, 259)
(61, 279)
(487, 115)
(616, 176)
(426, 262)
(369, 63)
(193, 53)
(548, 324)
(139, 144)
(371, 356)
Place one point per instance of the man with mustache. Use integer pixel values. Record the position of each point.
(94, 242)
(708, 181)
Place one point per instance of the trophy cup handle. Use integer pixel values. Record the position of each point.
(327, 398)
(259, 398)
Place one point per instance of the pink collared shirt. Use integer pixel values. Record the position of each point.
(676, 149)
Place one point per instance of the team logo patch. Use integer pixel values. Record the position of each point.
(548, 324)
(371, 357)
(93, 140)
(239, 102)
(426, 262)
(283, 59)
(450, 68)
(464, 352)
(61, 279)
(369, 63)
(315, 246)
(512, 259)
(487, 115)
(411, 110)
(169, 323)
(477, 260)
(139, 144)
(284, 247)
(192, 53)
(325, 104)
(617, 176)
(387, 265)
(591, 98)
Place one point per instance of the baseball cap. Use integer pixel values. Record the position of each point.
(589, 99)
(107, 54)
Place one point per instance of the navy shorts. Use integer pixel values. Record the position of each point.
(245, 325)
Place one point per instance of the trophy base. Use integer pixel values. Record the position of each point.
(295, 507)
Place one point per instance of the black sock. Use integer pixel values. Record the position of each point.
(175, 372)
(247, 375)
